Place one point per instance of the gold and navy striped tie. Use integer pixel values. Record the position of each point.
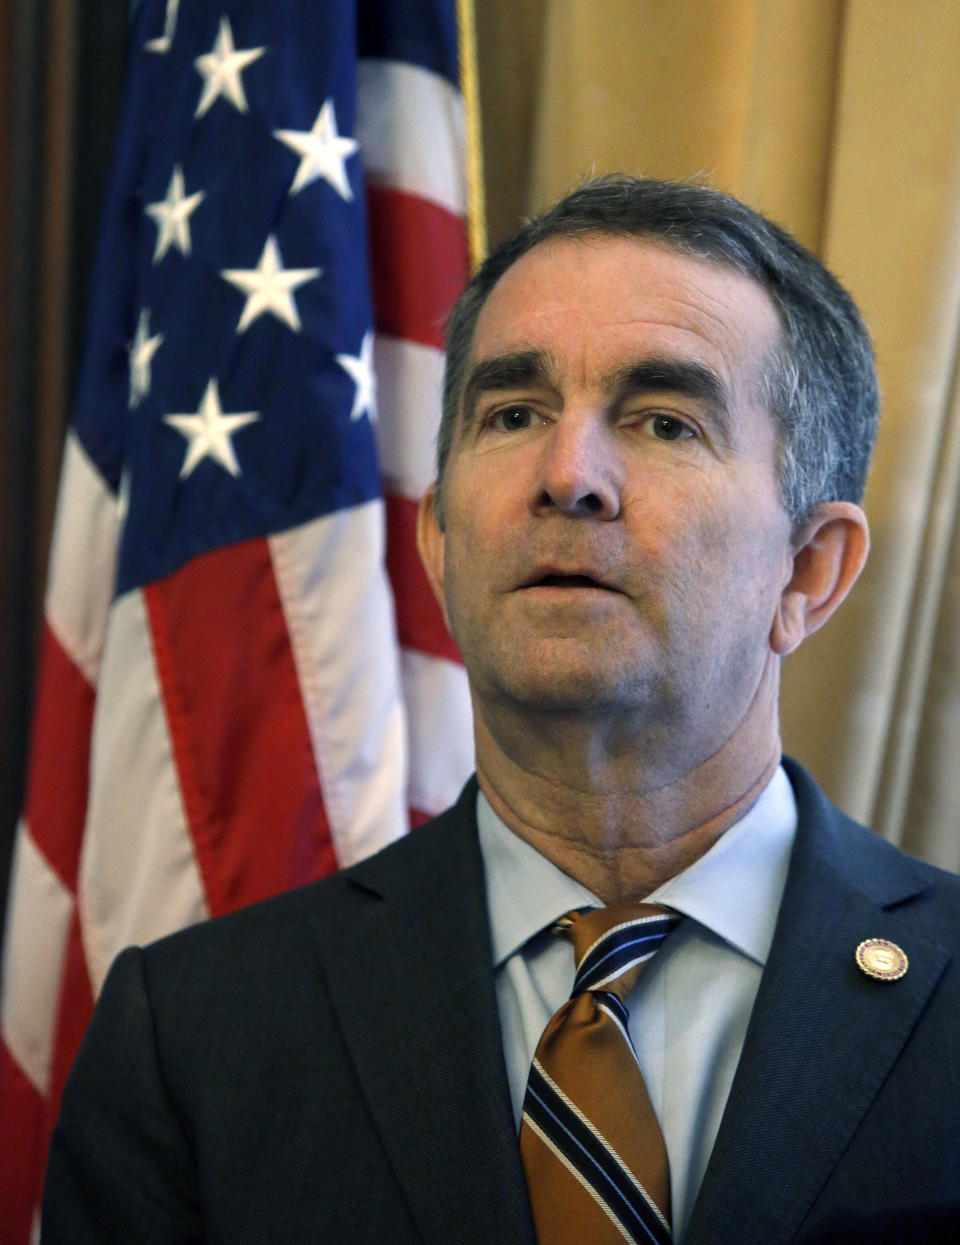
(592, 1147)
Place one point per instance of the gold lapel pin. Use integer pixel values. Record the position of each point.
(882, 959)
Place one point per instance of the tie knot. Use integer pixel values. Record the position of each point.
(611, 945)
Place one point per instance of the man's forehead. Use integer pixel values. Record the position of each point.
(615, 290)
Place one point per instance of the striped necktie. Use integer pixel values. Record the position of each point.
(592, 1147)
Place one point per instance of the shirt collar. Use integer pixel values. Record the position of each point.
(736, 887)
(734, 890)
(525, 892)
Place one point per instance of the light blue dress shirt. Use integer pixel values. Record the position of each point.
(689, 1012)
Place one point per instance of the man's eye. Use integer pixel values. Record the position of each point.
(513, 418)
(668, 428)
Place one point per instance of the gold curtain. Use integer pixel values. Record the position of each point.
(841, 120)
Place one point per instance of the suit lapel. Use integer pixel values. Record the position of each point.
(409, 973)
(822, 1036)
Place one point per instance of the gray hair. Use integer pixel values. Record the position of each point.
(821, 382)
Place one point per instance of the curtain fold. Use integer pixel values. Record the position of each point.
(892, 233)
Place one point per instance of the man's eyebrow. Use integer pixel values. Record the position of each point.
(505, 371)
(682, 376)
(653, 374)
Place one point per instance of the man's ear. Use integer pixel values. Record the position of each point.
(430, 544)
(829, 551)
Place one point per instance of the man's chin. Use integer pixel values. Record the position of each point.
(572, 690)
(597, 671)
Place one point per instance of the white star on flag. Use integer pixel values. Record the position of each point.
(162, 44)
(323, 152)
(208, 432)
(269, 287)
(172, 216)
(142, 349)
(221, 68)
(360, 369)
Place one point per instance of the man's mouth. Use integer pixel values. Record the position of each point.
(567, 581)
(563, 579)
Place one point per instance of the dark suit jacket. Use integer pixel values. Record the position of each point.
(327, 1066)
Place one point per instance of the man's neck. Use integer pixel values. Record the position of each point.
(614, 823)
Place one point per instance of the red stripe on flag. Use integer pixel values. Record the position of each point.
(74, 1009)
(420, 623)
(419, 264)
(59, 759)
(23, 1144)
(238, 726)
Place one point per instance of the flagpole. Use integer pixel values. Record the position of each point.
(469, 88)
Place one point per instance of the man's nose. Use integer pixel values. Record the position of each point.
(579, 470)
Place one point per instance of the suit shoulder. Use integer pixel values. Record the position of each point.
(895, 857)
(826, 837)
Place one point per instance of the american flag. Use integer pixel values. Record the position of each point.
(223, 707)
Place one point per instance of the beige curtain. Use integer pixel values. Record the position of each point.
(840, 119)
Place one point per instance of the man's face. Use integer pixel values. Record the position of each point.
(614, 540)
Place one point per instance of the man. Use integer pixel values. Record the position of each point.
(658, 412)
